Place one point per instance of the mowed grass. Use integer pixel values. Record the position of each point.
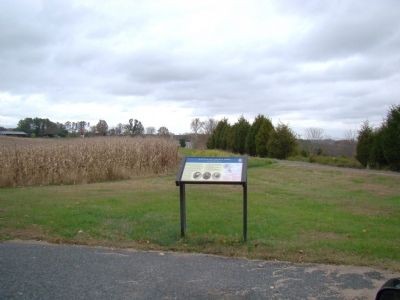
(300, 214)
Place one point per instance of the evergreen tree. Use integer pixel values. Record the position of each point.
(282, 142)
(226, 130)
(230, 134)
(262, 138)
(211, 141)
(238, 135)
(364, 144)
(391, 138)
(254, 129)
(218, 138)
(376, 157)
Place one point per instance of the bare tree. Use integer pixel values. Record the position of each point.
(74, 127)
(150, 130)
(196, 125)
(134, 128)
(102, 127)
(68, 126)
(81, 126)
(163, 131)
(112, 131)
(209, 126)
(314, 133)
(119, 129)
(350, 135)
(93, 130)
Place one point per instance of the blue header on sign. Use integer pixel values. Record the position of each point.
(214, 160)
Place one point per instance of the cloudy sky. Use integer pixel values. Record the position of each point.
(329, 64)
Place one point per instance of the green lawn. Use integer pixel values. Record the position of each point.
(301, 214)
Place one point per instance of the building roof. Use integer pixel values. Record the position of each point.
(8, 132)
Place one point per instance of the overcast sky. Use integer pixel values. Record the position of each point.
(328, 64)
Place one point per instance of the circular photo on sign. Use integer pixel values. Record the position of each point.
(216, 175)
(197, 175)
(206, 175)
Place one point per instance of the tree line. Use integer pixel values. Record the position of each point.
(260, 138)
(376, 147)
(40, 127)
(380, 147)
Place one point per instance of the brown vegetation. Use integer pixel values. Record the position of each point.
(70, 161)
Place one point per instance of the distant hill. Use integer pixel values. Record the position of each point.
(330, 147)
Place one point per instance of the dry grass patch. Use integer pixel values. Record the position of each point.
(70, 161)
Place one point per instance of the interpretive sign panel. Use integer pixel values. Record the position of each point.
(212, 170)
(225, 170)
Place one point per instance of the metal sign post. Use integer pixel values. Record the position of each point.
(182, 205)
(245, 211)
(212, 170)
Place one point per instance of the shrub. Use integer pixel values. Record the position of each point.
(304, 153)
(182, 143)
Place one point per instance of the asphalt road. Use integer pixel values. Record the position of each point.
(33, 270)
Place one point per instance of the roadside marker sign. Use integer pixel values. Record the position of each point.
(212, 170)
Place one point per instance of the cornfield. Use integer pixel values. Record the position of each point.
(69, 161)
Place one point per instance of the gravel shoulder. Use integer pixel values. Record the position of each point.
(308, 165)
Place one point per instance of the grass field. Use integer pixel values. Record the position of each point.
(296, 213)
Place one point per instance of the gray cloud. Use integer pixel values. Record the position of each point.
(338, 62)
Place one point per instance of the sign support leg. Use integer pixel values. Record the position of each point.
(245, 212)
(182, 198)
